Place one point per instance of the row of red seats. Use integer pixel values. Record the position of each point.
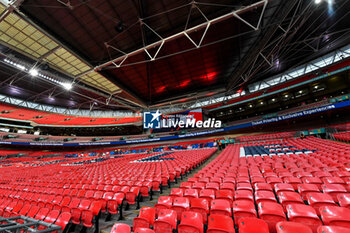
(11, 208)
(40, 117)
(84, 189)
(311, 188)
(343, 136)
(192, 221)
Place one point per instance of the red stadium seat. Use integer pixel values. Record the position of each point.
(145, 219)
(303, 214)
(292, 227)
(305, 189)
(252, 225)
(335, 216)
(180, 205)
(271, 213)
(208, 194)
(344, 200)
(333, 190)
(264, 196)
(317, 200)
(222, 207)
(287, 198)
(63, 220)
(164, 202)
(243, 208)
(225, 195)
(244, 195)
(191, 193)
(176, 192)
(333, 229)
(143, 230)
(200, 205)
(166, 221)
(121, 228)
(282, 187)
(220, 223)
(191, 222)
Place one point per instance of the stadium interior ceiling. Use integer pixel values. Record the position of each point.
(135, 55)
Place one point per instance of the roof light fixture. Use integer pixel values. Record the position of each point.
(33, 72)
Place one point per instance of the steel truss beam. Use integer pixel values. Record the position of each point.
(117, 62)
(13, 6)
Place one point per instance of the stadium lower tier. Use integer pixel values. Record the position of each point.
(67, 191)
(288, 186)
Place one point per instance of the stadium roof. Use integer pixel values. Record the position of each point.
(136, 54)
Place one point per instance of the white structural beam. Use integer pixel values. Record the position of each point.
(119, 60)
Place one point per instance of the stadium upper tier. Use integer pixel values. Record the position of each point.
(47, 118)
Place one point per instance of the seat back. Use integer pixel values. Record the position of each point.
(220, 223)
(191, 222)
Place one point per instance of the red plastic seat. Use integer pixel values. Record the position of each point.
(63, 220)
(166, 221)
(143, 230)
(164, 202)
(333, 190)
(200, 205)
(292, 227)
(199, 186)
(335, 216)
(220, 207)
(274, 180)
(121, 228)
(24, 210)
(227, 186)
(88, 215)
(243, 208)
(313, 180)
(252, 225)
(294, 181)
(42, 213)
(305, 189)
(304, 214)
(271, 213)
(76, 212)
(244, 186)
(74, 203)
(287, 198)
(191, 222)
(145, 219)
(208, 194)
(344, 200)
(33, 211)
(333, 180)
(317, 200)
(264, 196)
(282, 187)
(50, 218)
(244, 195)
(185, 185)
(191, 193)
(176, 192)
(220, 224)
(262, 187)
(132, 195)
(213, 186)
(180, 205)
(333, 229)
(225, 195)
